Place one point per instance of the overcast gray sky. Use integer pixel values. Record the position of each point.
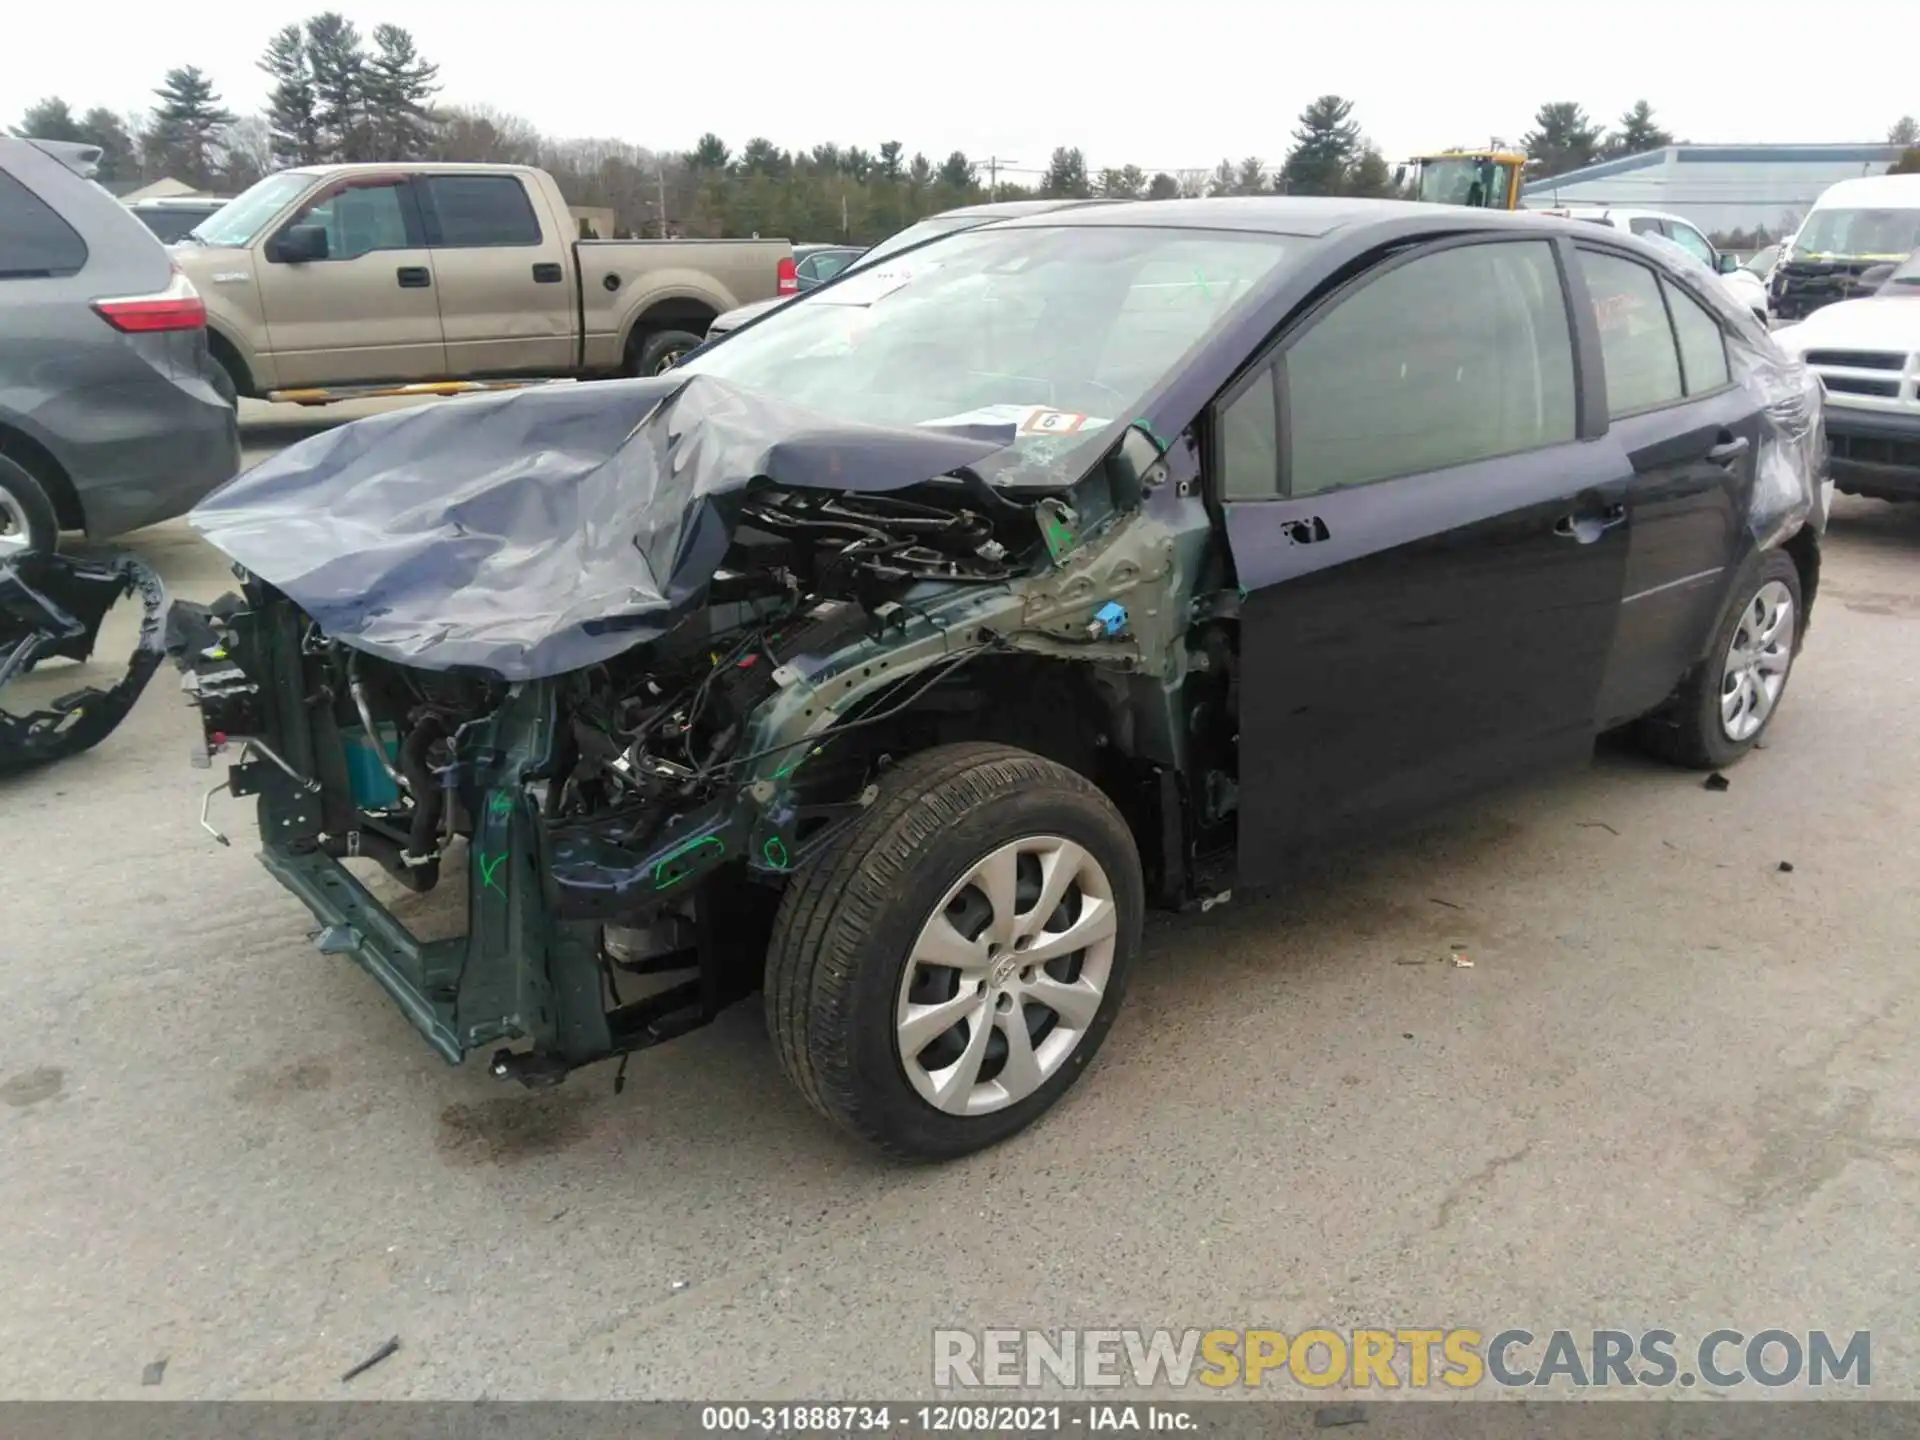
(1172, 85)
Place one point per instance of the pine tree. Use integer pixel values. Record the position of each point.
(1905, 131)
(119, 160)
(1325, 145)
(1371, 176)
(709, 153)
(399, 85)
(51, 119)
(1163, 187)
(958, 172)
(1067, 175)
(890, 160)
(1224, 179)
(1251, 177)
(183, 138)
(1637, 133)
(338, 64)
(1563, 138)
(291, 115)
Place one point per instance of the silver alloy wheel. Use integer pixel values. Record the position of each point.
(15, 532)
(1006, 976)
(669, 358)
(1757, 662)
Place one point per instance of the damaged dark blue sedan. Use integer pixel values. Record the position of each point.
(894, 654)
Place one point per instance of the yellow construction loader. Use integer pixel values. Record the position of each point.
(1483, 179)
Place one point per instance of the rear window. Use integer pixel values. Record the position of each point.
(35, 243)
(476, 211)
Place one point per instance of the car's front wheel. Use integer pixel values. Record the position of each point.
(945, 970)
(1729, 700)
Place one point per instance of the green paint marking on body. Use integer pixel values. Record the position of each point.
(664, 878)
(794, 764)
(776, 852)
(488, 869)
(501, 803)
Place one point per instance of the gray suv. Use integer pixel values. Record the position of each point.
(112, 413)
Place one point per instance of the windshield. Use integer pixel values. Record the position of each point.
(1859, 234)
(1053, 333)
(918, 234)
(241, 218)
(1464, 181)
(1905, 280)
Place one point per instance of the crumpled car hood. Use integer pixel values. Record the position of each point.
(533, 532)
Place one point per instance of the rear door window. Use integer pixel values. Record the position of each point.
(1637, 344)
(480, 211)
(35, 243)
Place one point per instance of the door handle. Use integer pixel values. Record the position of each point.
(546, 273)
(413, 277)
(1589, 527)
(1729, 449)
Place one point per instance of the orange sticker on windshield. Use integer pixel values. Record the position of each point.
(1051, 422)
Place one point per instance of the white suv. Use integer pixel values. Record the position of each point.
(1743, 285)
(1867, 355)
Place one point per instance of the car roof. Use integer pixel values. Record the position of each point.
(1898, 191)
(1297, 215)
(1009, 209)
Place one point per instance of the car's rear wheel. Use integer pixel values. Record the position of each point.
(661, 351)
(1726, 704)
(28, 520)
(943, 973)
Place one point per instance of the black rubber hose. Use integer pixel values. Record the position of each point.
(375, 846)
(428, 798)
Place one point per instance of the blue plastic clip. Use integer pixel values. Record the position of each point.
(1108, 621)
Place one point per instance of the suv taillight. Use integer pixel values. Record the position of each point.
(789, 276)
(178, 307)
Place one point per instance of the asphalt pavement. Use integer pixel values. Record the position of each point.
(1678, 1086)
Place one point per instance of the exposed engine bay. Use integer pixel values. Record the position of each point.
(636, 816)
(52, 607)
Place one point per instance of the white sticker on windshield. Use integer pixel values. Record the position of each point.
(1052, 422)
(1027, 421)
(867, 286)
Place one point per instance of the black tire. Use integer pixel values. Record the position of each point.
(851, 916)
(25, 510)
(1688, 731)
(653, 354)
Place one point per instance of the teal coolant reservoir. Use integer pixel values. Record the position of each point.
(373, 787)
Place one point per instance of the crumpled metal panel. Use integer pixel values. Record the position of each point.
(536, 532)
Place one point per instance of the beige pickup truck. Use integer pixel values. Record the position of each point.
(341, 279)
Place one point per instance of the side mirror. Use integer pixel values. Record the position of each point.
(1399, 174)
(1873, 278)
(1728, 263)
(297, 245)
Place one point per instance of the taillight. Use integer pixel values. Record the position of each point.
(789, 276)
(178, 307)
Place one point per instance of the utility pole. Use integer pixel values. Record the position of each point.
(660, 177)
(994, 162)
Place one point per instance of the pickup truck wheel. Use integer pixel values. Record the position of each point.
(27, 517)
(942, 973)
(660, 350)
(1726, 704)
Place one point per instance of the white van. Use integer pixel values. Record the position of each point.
(1853, 226)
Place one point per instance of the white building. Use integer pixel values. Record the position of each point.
(1720, 188)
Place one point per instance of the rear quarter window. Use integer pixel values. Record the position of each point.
(35, 243)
